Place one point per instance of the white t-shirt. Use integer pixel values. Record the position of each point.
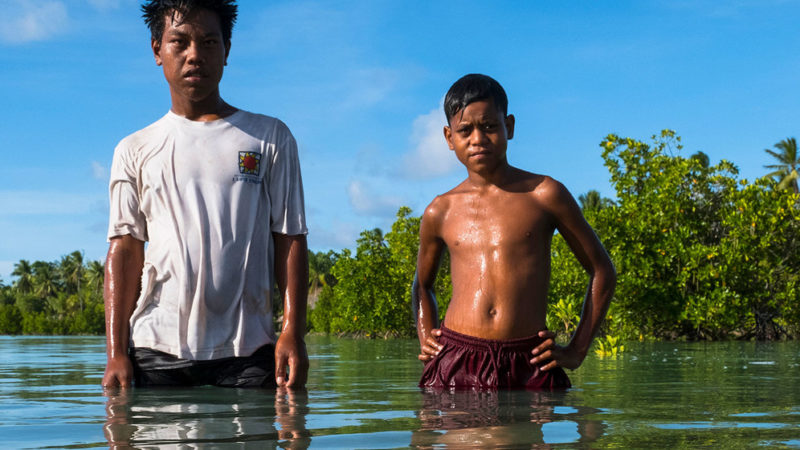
(207, 197)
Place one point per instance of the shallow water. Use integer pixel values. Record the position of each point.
(363, 394)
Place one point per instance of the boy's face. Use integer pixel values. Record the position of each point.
(192, 53)
(479, 135)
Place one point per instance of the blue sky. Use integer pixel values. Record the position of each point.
(360, 83)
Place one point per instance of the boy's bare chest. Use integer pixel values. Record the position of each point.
(499, 222)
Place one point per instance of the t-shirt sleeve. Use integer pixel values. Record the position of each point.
(285, 185)
(125, 216)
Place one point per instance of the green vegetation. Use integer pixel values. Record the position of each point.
(788, 164)
(700, 254)
(372, 294)
(60, 297)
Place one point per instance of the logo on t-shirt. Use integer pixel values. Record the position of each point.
(249, 163)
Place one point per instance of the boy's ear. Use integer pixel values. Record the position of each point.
(156, 45)
(510, 126)
(227, 51)
(448, 136)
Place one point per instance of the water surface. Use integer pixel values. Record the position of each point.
(363, 394)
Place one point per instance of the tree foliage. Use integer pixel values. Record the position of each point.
(593, 201)
(700, 254)
(786, 170)
(372, 290)
(49, 298)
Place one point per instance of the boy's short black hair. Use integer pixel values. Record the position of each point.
(472, 88)
(155, 11)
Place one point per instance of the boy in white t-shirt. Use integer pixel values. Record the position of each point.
(217, 194)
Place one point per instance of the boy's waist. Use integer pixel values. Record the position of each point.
(497, 317)
(521, 343)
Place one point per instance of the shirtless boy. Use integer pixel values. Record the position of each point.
(498, 225)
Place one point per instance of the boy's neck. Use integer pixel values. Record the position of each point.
(207, 110)
(498, 176)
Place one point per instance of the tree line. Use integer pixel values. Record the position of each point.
(58, 297)
(700, 254)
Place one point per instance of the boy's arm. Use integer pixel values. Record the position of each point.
(291, 273)
(602, 279)
(423, 298)
(123, 273)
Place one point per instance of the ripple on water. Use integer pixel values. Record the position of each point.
(720, 425)
(363, 394)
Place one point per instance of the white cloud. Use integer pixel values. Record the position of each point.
(369, 86)
(99, 171)
(334, 235)
(365, 201)
(28, 21)
(430, 156)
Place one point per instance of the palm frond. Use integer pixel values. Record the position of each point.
(777, 174)
(787, 180)
(779, 156)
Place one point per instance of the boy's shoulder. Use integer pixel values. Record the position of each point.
(544, 189)
(143, 136)
(518, 182)
(544, 186)
(438, 206)
(262, 126)
(442, 202)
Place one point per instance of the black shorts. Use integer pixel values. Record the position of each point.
(155, 368)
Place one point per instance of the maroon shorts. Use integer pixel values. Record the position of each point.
(470, 362)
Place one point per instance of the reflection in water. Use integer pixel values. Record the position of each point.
(502, 418)
(187, 416)
(291, 409)
(363, 394)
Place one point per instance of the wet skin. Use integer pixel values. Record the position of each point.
(123, 272)
(497, 226)
(193, 53)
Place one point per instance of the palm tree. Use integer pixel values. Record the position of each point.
(319, 268)
(71, 270)
(94, 276)
(789, 164)
(45, 279)
(592, 201)
(24, 273)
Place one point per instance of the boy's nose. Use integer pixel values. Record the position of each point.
(194, 53)
(477, 136)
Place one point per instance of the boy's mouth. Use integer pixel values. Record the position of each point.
(194, 74)
(480, 153)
